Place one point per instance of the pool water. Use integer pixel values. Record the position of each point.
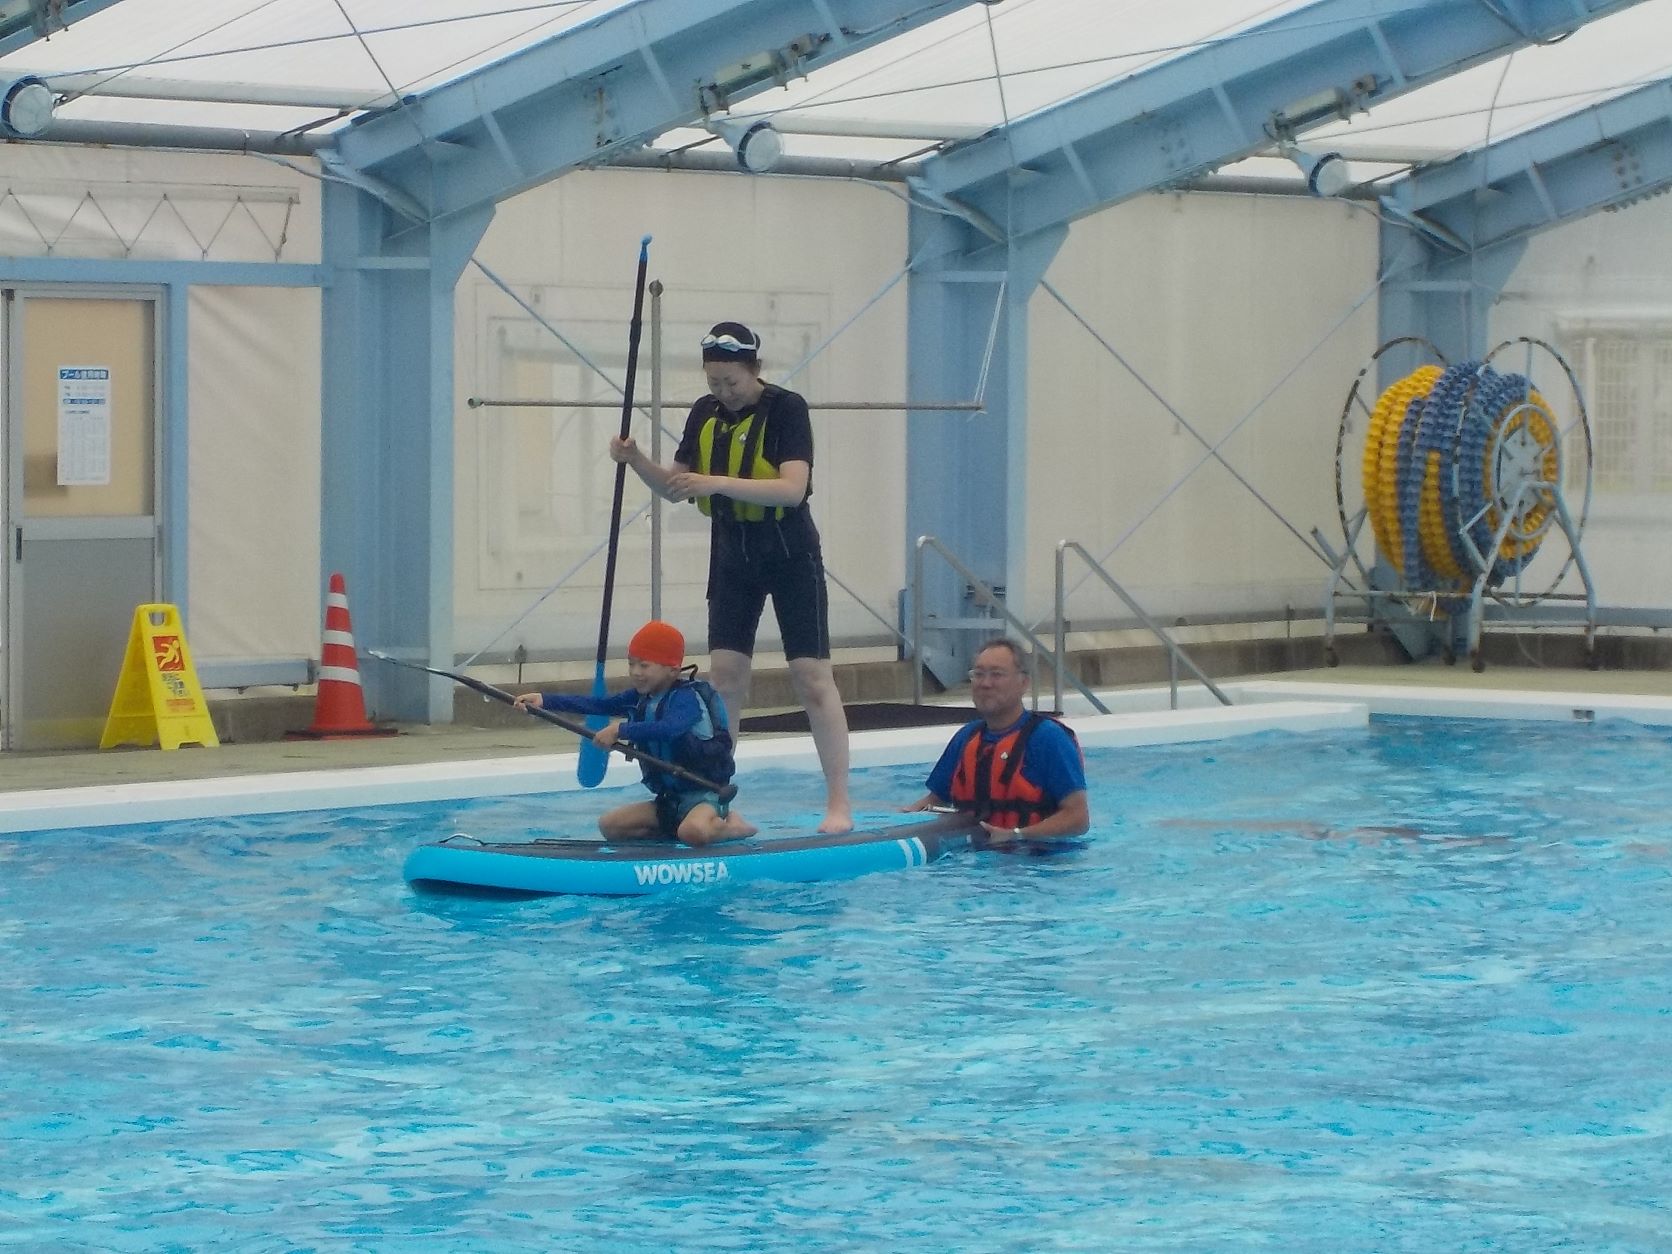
(1401, 989)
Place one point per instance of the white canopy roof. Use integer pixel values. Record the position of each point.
(277, 65)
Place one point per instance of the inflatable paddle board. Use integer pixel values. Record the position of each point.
(633, 868)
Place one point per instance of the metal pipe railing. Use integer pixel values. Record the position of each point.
(1176, 655)
(984, 596)
(885, 407)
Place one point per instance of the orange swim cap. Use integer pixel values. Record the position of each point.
(658, 642)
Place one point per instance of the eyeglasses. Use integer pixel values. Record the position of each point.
(731, 344)
(980, 673)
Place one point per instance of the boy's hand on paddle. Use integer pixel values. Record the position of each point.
(527, 700)
(623, 449)
(606, 736)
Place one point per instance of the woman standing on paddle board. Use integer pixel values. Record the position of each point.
(746, 459)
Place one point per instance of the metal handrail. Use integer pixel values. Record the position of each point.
(984, 596)
(1175, 654)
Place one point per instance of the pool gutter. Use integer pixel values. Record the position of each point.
(108, 805)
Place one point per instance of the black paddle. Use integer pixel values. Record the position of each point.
(726, 791)
(589, 770)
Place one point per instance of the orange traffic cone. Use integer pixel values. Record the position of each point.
(340, 707)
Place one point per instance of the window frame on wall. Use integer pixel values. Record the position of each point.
(1624, 370)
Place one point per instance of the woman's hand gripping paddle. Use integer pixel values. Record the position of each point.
(594, 762)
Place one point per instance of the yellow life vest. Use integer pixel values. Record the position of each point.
(743, 459)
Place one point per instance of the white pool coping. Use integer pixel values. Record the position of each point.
(1429, 702)
(106, 805)
(1138, 717)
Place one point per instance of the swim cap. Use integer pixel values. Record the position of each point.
(658, 642)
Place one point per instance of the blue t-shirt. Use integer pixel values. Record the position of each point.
(1051, 762)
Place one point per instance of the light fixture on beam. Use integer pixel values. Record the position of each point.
(771, 65)
(1320, 106)
(1326, 173)
(757, 145)
(26, 106)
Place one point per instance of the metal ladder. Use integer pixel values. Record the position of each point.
(986, 596)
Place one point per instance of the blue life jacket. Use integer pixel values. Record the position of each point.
(705, 750)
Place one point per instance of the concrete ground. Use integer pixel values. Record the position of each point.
(66, 769)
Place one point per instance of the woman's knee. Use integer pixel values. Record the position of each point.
(728, 669)
(814, 680)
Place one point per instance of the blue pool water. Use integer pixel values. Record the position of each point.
(1402, 989)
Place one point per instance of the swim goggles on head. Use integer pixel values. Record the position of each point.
(730, 344)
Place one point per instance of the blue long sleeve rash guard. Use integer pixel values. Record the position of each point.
(680, 712)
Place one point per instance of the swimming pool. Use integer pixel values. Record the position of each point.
(1405, 988)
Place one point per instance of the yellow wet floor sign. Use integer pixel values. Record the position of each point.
(158, 700)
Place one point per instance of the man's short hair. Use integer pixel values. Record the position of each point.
(1017, 653)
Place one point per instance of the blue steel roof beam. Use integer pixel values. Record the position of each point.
(502, 145)
(1600, 157)
(1169, 123)
(1541, 190)
(823, 7)
(615, 81)
(654, 68)
(1390, 62)
(1082, 176)
(23, 22)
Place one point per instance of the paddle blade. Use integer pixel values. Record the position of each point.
(594, 762)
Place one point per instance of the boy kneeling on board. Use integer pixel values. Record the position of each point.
(672, 715)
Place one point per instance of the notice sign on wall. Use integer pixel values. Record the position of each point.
(83, 425)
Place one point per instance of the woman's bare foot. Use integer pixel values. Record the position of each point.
(838, 821)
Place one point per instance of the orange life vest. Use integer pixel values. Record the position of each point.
(989, 778)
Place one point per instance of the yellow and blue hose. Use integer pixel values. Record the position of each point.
(1427, 479)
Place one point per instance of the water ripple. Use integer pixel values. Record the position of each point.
(1400, 989)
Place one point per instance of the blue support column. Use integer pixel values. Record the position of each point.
(387, 436)
(1434, 293)
(175, 448)
(966, 475)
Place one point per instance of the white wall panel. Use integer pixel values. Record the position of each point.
(792, 259)
(1213, 300)
(255, 581)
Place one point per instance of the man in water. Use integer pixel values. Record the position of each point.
(1018, 772)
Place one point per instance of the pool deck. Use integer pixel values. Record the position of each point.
(71, 788)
